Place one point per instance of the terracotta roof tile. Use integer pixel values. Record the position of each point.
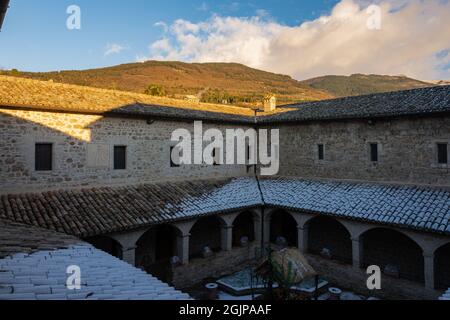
(103, 210)
(47, 95)
(433, 100)
(97, 211)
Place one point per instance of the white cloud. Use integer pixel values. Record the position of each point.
(411, 36)
(114, 48)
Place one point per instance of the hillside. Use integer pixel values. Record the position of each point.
(360, 84)
(213, 82)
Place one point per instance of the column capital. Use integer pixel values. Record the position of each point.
(185, 235)
(429, 255)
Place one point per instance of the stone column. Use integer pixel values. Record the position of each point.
(302, 241)
(267, 230)
(129, 255)
(226, 237)
(428, 260)
(257, 228)
(183, 248)
(357, 253)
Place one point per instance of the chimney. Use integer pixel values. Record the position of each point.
(270, 103)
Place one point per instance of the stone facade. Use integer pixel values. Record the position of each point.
(407, 150)
(83, 148)
(83, 151)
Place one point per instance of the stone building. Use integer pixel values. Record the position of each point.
(364, 179)
(269, 103)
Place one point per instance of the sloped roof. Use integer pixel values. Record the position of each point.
(47, 95)
(418, 208)
(111, 209)
(102, 210)
(35, 264)
(433, 100)
(445, 296)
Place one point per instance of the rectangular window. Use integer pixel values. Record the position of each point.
(442, 153)
(216, 157)
(120, 157)
(43, 157)
(174, 163)
(321, 151)
(373, 152)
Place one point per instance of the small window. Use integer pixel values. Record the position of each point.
(374, 152)
(216, 157)
(43, 157)
(321, 151)
(174, 163)
(120, 157)
(442, 149)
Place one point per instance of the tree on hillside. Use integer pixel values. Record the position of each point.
(155, 90)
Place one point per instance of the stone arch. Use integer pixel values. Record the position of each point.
(329, 237)
(244, 226)
(394, 252)
(205, 232)
(107, 244)
(283, 224)
(442, 267)
(155, 248)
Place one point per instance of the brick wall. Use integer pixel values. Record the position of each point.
(407, 150)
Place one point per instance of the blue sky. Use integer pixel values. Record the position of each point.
(35, 36)
(301, 38)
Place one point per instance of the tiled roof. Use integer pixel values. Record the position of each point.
(155, 111)
(35, 269)
(446, 296)
(404, 206)
(47, 95)
(99, 211)
(102, 210)
(392, 104)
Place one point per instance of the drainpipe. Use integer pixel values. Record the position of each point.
(4, 5)
(255, 168)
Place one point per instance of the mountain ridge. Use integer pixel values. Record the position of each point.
(227, 83)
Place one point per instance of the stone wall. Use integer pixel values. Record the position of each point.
(83, 151)
(407, 150)
(346, 277)
(220, 264)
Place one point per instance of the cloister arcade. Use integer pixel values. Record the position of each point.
(417, 257)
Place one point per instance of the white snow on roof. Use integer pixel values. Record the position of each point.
(238, 193)
(446, 296)
(414, 207)
(42, 276)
